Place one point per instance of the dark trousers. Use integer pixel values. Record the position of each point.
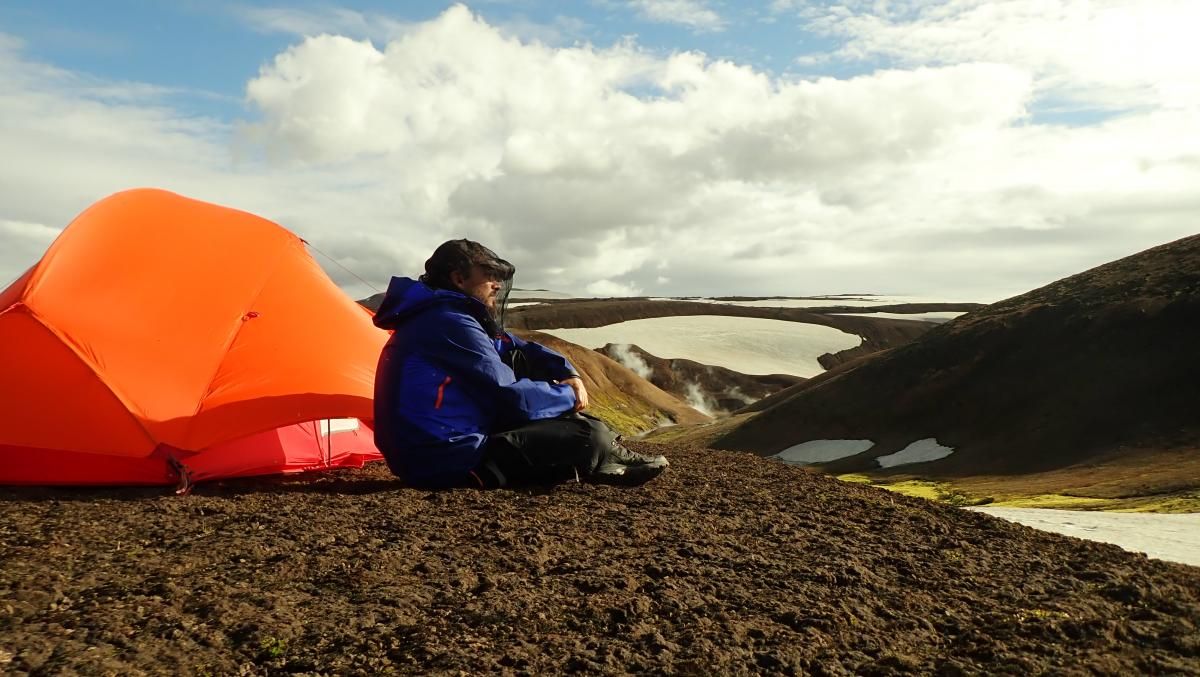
(544, 452)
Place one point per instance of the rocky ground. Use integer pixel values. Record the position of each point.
(727, 564)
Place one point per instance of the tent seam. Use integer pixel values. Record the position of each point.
(208, 389)
(70, 344)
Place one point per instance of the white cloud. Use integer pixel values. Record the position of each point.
(600, 168)
(1122, 53)
(24, 244)
(781, 6)
(561, 30)
(313, 21)
(609, 288)
(694, 14)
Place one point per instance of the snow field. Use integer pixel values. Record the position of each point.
(1174, 538)
(824, 451)
(918, 452)
(849, 300)
(744, 344)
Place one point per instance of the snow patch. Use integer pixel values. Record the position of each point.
(938, 316)
(749, 345)
(920, 451)
(526, 303)
(1174, 538)
(822, 451)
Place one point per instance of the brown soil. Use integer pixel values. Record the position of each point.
(724, 389)
(1125, 473)
(1097, 365)
(727, 564)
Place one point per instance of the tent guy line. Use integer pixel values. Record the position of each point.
(340, 265)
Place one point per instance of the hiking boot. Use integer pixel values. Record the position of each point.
(625, 475)
(619, 453)
(623, 466)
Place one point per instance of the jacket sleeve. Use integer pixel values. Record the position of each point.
(544, 360)
(467, 352)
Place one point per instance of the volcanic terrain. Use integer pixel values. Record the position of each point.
(726, 564)
(1097, 371)
(722, 390)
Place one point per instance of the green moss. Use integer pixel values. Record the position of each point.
(623, 414)
(1043, 615)
(273, 647)
(668, 434)
(942, 492)
(1177, 503)
(855, 478)
(946, 492)
(1054, 501)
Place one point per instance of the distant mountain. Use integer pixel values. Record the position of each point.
(518, 293)
(1101, 365)
(372, 302)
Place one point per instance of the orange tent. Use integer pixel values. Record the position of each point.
(162, 338)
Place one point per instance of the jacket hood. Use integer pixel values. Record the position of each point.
(406, 297)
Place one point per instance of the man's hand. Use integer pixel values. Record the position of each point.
(581, 398)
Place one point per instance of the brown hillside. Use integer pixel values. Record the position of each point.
(1094, 366)
(618, 396)
(726, 565)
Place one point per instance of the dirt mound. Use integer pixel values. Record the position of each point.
(716, 390)
(727, 564)
(620, 397)
(1094, 366)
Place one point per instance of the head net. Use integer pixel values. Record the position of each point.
(461, 256)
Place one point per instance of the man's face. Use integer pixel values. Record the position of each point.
(482, 284)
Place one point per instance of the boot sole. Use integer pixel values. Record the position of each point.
(627, 475)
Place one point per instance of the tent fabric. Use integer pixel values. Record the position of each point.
(290, 449)
(157, 327)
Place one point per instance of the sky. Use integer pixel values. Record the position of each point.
(957, 149)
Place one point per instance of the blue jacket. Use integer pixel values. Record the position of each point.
(442, 384)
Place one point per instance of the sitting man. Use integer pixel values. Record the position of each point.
(460, 402)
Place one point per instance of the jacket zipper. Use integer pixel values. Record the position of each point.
(441, 393)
